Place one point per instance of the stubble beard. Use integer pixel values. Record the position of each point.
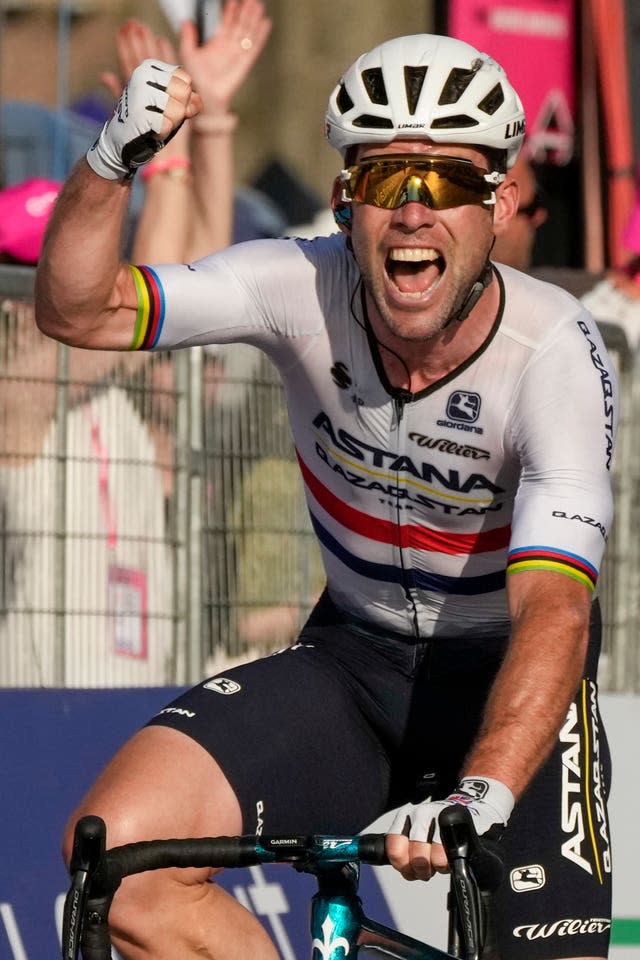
(415, 327)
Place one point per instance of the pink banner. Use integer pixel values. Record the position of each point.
(535, 41)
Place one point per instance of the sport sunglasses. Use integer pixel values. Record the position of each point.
(438, 182)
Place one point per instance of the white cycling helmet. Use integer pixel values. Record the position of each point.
(426, 87)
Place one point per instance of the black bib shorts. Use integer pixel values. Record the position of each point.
(329, 734)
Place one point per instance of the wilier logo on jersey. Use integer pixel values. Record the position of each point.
(223, 685)
(340, 374)
(531, 877)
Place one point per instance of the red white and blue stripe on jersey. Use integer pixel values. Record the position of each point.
(417, 538)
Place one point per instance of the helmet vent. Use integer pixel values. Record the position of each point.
(343, 99)
(368, 121)
(413, 82)
(455, 85)
(374, 85)
(454, 122)
(493, 100)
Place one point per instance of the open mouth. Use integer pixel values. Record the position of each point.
(414, 271)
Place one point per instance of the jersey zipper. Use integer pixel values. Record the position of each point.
(400, 399)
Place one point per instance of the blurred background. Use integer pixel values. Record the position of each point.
(52, 54)
(149, 514)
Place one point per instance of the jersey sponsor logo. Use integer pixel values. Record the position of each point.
(572, 822)
(463, 406)
(450, 446)
(607, 391)
(574, 813)
(179, 711)
(562, 928)
(599, 806)
(525, 879)
(590, 521)
(403, 496)
(397, 493)
(462, 411)
(450, 480)
(223, 685)
(340, 374)
(259, 817)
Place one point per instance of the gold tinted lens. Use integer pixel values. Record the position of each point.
(438, 182)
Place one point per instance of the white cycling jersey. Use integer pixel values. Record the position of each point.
(422, 503)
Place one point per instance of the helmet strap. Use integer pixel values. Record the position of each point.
(475, 292)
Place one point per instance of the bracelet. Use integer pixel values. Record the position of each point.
(177, 167)
(215, 123)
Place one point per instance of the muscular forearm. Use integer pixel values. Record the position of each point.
(80, 281)
(533, 689)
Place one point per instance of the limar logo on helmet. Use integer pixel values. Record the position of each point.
(514, 129)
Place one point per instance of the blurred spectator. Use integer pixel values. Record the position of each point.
(515, 246)
(24, 211)
(107, 582)
(188, 209)
(616, 297)
(177, 224)
(612, 297)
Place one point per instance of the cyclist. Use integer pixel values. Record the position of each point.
(454, 424)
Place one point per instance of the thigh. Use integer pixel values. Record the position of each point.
(555, 900)
(160, 784)
(292, 739)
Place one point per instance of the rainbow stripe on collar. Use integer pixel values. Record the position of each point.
(555, 561)
(151, 308)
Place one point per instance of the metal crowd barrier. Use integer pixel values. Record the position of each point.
(152, 521)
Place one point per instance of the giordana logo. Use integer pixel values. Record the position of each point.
(223, 685)
(474, 788)
(463, 407)
(531, 877)
(562, 928)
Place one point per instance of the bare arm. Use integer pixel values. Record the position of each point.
(528, 702)
(219, 68)
(538, 679)
(84, 293)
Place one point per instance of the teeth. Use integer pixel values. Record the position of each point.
(417, 293)
(413, 254)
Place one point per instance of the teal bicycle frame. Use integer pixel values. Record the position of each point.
(339, 927)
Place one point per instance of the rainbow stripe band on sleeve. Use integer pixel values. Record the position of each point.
(555, 561)
(150, 312)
